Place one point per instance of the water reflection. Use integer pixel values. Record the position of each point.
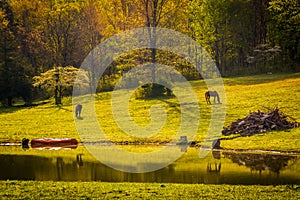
(218, 168)
(215, 167)
(260, 162)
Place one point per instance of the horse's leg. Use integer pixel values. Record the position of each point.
(77, 113)
(207, 98)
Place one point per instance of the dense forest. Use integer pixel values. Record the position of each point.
(40, 37)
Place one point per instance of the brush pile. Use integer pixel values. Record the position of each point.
(260, 122)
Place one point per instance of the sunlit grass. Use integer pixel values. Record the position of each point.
(243, 98)
(98, 190)
(243, 94)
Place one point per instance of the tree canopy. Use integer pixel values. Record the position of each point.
(242, 36)
(60, 80)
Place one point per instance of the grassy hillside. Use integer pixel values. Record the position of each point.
(243, 94)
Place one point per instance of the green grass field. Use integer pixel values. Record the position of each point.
(243, 94)
(98, 190)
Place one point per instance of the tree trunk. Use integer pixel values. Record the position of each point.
(9, 101)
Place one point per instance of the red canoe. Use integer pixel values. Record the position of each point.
(54, 142)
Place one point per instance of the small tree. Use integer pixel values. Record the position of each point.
(60, 80)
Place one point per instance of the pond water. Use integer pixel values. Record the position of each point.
(218, 167)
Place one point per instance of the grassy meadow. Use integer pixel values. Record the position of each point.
(243, 94)
(98, 190)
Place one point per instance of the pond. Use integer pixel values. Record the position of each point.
(218, 167)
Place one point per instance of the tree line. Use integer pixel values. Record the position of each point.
(242, 36)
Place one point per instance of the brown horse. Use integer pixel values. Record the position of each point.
(78, 110)
(214, 94)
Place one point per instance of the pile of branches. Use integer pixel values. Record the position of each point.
(260, 122)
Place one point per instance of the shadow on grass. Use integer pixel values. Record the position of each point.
(174, 105)
(60, 107)
(259, 79)
(15, 108)
(231, 137)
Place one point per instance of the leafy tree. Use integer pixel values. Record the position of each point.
(230, 30)
(28, 16)
(14, 81)
(159, 13)
(62, 33)
(93, 26)
(120, 15)
(60, 81)
(210, 25)
(285, 15)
